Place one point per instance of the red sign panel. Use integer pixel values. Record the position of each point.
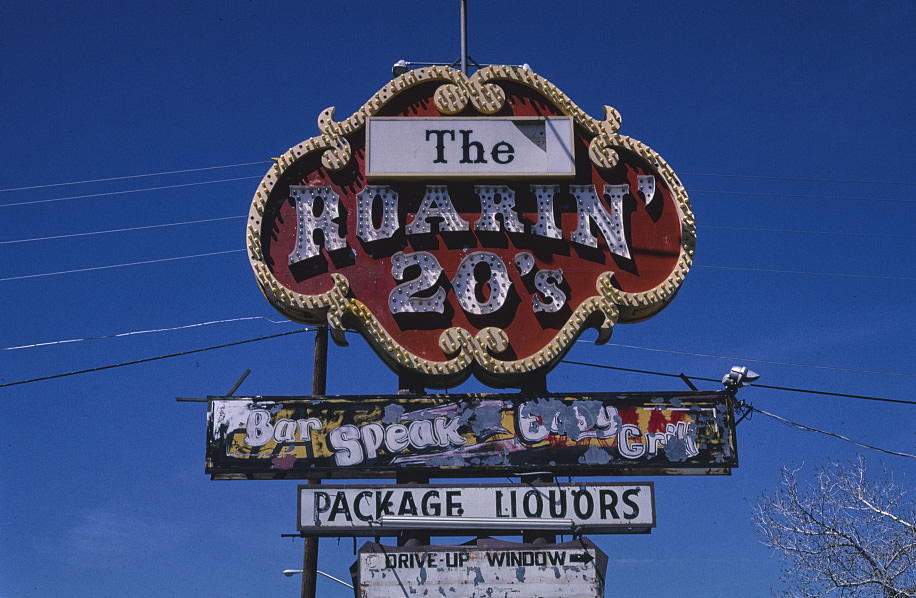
(470, 225)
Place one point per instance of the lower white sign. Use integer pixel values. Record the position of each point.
(356, 510)
(486, 569)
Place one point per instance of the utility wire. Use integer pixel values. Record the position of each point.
(806, 232)
(693, 191)
(189, 170)
(785, 178)
(699, 266)
(793, 196)
(136, 332)
(804, 272)
(835, 394)
(594, 365)
(94, 268)
(263, 162)
(207, 220)
(109, 193)
(242, 342)
(157, 358)
(654, 350)
(236, 343)
(755, 384)
(799, 365)
(831, 434)
(122, 230)
(134, 176)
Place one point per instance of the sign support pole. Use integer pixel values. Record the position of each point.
(319, 387)
(537, 536)
(464, 36)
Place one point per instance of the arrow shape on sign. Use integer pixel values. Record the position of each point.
(583, 558)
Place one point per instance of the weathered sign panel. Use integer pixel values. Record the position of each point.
(471, 435)
(470, 225)
(484, 569)
(357, 510)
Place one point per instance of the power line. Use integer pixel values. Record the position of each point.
(831, 434)
(189, 170)
(136, 332)
(262, 162)
(594, 365)
(242, 342)
(807, 232)
(149, 359)
(121, 230)
(654, 350)
(134, 176)
(184, 257)
(755, 384)
(808, 273)
(793, 196)
(730, 358)
(808, 180)
(208, 220)
(746, 193)
(835, 394)
(95, 268)
(751, 408)
(109, 193)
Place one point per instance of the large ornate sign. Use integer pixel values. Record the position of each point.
(470, 435)
(470, 225)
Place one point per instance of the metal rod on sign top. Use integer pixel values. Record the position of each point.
(464, 36)
(319, 387)
(239, 383)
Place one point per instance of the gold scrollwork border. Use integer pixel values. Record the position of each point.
(467, 353)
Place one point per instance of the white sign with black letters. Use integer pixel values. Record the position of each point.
(458, 147)
(483, 569)
(356, 510)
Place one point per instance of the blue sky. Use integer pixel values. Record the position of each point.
(790, 124)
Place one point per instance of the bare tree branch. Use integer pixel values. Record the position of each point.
(841, 534)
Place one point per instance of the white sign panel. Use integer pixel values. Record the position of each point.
(459, 147)
(572, 570)
(354, 510)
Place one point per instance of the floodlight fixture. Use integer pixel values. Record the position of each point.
(399, 68)
(739, 376)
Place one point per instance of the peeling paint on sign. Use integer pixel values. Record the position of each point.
(466, 434)
(485, 568)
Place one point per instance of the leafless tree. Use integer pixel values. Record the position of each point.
(842, 533)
